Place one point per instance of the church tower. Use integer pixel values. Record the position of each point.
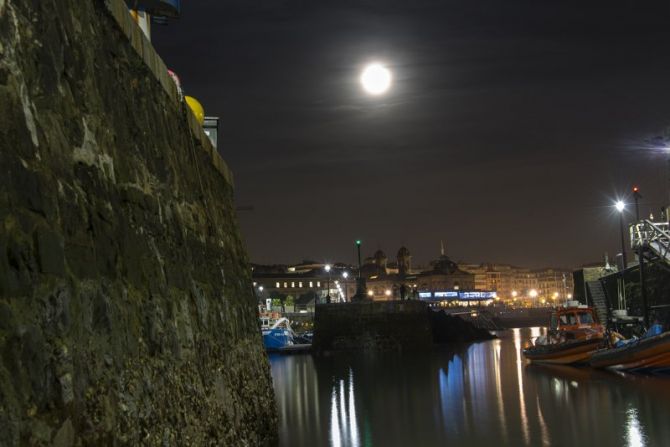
(404, 261)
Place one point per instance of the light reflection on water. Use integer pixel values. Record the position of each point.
(476, 395)
(343, 425)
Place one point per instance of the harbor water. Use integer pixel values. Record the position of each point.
(478, 394)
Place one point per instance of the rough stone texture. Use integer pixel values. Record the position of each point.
(126, 311)
(372, 325)
(388, 325)
(450, 329)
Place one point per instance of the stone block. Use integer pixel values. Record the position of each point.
(50, 251)
(136, 38)
(133, 194)
(80, 257)
(7, 319)
(392, 325)
(65, 436)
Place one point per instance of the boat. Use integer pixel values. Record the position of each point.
(574, 335)
(649, 353)
(277, 333)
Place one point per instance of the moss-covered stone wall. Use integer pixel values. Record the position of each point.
(372, 325)
(126, 310)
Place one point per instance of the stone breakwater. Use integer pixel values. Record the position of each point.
(126, 310)
(388, 325)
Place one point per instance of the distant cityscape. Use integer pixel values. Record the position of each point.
(309, 282)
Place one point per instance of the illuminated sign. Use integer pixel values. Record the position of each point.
(449, 294)
(475, 295)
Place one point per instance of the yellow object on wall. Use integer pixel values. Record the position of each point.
(196, 108)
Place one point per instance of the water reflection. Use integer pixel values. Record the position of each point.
(634, 436)
(343, 425)
(478, 394)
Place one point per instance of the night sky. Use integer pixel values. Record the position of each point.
(510, 128)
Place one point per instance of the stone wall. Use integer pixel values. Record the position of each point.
(372, 325)
(126, 310)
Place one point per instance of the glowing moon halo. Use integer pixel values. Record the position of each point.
(376, 79)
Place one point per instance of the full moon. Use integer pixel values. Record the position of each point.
(376, 79)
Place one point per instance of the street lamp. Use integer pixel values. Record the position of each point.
(260, 297)
(620, 206)
(327, 268)
(345, 275)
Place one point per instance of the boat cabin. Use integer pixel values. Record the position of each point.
(572, 318)
(575, 322)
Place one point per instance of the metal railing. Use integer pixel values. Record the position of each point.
(654, 236)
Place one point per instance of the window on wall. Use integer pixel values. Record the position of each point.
(292, 284)
(285, 285)
(277, 285)
(300, 284)
(311, 284)
(318, 283)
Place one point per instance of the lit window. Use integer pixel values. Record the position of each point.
(300, 284)
(285, 286)
(292, 284)
(311, 284)
(277, 285)
(318, 283)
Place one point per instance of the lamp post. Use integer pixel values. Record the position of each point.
(361, 293)
(637, 196)
(260, 298)
(640, 256)
(327, 268)
(620, 206)
(358, 246)
(345, 275)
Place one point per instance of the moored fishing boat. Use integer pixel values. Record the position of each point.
(650, 353)
(574, 335)
(277, 333)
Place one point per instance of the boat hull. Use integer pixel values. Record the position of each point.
(567, 353)
(645, 354)
(276, 339)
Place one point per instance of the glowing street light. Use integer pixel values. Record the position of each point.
(532, 293)
(345, 275)
(620, 206)
(514, 293)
